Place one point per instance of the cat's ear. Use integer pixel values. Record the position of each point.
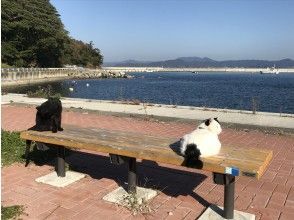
(207, 122)
(216, 119)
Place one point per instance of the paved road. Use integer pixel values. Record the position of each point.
(184, 193)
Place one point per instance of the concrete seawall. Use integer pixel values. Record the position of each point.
(11, 74)
(21, 76)
(161, 69)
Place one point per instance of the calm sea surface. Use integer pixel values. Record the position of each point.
(264, 92)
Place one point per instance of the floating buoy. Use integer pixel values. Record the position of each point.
(71, 89)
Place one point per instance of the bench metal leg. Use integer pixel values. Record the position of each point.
(132, 175)
(132, 170)
(229, 191)
(61, 161)
(27, 152)
(229, 199)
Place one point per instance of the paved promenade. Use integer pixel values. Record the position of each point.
(265, 119)
(183, 193)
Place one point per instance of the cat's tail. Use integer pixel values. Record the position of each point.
(38, 128)
(192, 155)
(34, 128)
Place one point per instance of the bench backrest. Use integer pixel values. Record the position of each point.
(231, 160)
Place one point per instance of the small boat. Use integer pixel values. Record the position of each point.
(270, 70)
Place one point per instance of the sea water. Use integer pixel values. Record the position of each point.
(244, 91)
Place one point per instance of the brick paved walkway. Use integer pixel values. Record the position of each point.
(184, 193)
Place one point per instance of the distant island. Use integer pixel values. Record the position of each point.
(198, 62)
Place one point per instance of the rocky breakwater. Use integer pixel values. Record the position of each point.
(97, 73)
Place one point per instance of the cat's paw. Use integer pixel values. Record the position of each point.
(60, 129)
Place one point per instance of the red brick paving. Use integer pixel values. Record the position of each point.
(184, 193)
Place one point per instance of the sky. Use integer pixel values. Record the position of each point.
(166, 29)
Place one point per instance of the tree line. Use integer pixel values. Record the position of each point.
(33, 35)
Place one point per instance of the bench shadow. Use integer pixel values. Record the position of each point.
(172, 182)
(42, 157)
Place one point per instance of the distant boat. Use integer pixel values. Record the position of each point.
(195, 72)
(149, 71)
(270, 70)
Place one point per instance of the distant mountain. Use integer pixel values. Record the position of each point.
(195, 59)
(127, 63)
(190, 62)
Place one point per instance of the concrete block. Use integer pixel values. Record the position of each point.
(118, 195)
(54, 180)
(214, 212)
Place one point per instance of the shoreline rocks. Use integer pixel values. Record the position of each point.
(96, 74)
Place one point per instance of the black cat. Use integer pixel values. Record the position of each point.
(48, 117)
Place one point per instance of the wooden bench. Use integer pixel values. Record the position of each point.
(128, 146)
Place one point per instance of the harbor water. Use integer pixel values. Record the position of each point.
(244, 91)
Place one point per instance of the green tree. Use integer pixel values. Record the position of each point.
(83, 54)
(32, 32)
(34, 36)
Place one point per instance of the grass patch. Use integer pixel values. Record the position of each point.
(12, 148)
(131, 202)
(5, 65)
(43, 92)
(11, 212)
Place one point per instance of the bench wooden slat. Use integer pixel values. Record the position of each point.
(250, 162)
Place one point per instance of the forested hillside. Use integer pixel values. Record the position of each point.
(34, 36)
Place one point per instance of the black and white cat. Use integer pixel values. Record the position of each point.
(202, 142)
(48, 117)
